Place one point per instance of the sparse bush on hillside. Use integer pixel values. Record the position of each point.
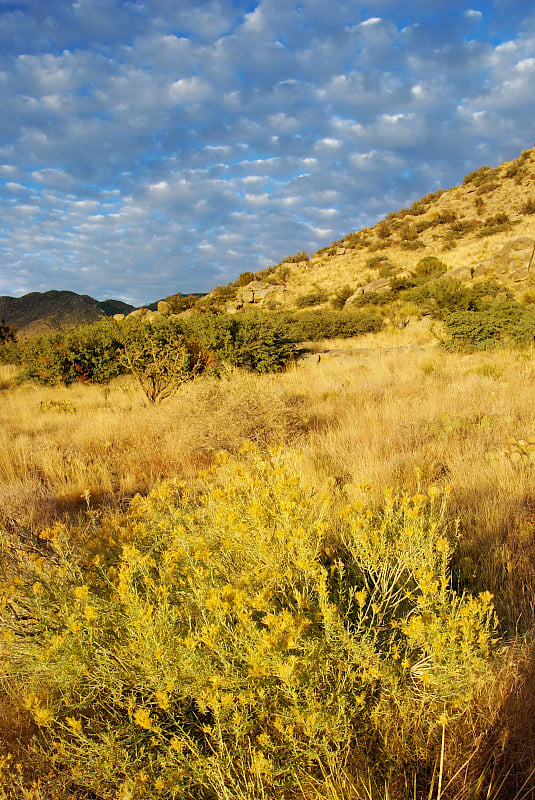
(375, 262)
(485, 188)
(529, 206)
(223, 294)
(408, 232)
(495, 224)
(481, 175)
(428, 268)
(314, 298)
(447, 215)
(341, 296)
(383, 229)
(180, 302)
(297, 257)
(513, 168)
(240, 640)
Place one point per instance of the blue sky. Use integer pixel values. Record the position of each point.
(155, 146)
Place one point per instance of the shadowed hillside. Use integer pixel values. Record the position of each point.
(38, 312)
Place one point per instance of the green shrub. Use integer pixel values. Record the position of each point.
(236, 641)
(383, 229)
(482, 175)
(485, 188)
(341, 296)
(86, 354)
(495, 224)
(9, 353)
(262, 343)
(509, 324)
(428, 268)
(302, 255)
(377, 261)
(314, 298)
(448, 295)
(327, 324)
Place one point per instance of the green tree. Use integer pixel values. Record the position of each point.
(7, 332)
(8, 343)
(85, 354)
(161, 357)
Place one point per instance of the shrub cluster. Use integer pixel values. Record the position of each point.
(508, 324)
(8, 339)
(237, 641)
(327, 324)
(314, 298)
(161, 352)
(87, 354)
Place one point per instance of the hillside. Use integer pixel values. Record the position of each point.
(38, 312)
(484, 228)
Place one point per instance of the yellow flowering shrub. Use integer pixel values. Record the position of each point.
(238, 634)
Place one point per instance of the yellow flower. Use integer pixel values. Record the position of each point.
(42, 715)
(90, 614)
(143, 719)
(75, 724)
(75, 626)
(177, 744)
(162, 698)
(81, 592)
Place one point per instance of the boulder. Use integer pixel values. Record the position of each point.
(164, 307)
(379, 285)
(515, 258)
(118, 317)
(257, 292)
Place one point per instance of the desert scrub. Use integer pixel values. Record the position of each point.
(237, 639)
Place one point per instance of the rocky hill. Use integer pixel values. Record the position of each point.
(38, 312)
(484, 228)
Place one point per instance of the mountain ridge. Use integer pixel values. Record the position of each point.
(38, 312)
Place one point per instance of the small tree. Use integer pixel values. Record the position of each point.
(7, 332)
(8, 342)
(161, 358)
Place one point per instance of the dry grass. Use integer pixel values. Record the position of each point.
(377, 419)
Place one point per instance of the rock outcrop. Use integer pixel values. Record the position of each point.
(515, 260)
(258, 293)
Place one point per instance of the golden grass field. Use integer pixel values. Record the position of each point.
(385, 417)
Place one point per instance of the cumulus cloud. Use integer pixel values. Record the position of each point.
(153, 147)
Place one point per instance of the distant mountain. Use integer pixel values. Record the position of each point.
(38, 312)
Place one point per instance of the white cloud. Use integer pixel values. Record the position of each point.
(161, 146)
(472, 13)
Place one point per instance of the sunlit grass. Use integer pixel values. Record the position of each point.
(403, 420)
